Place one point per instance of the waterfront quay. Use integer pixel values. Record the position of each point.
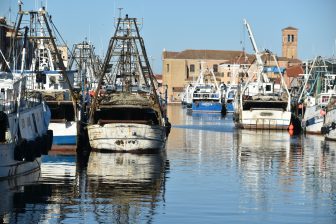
(209, 172)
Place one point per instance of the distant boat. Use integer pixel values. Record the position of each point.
(230, 97)
(262, 104)
(127, 114)
(207, 95)
(232, 87)
(186, 98)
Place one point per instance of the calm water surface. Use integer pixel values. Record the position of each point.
(209, 173)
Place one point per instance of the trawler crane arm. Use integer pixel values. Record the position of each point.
(260, 62)
(253, 42)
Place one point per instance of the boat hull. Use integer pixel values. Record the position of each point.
(230, 107)
(129, 137)
(330, 125)
(314, 125)
(313, 120)
(64, 133)
(11, 168)
(264, 119)
(209, 107)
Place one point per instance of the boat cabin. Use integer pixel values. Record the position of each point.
(129, 114)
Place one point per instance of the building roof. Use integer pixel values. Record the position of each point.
(294, 71)
(169, 54)
(290, 28)
(204, 54)
(158, 76)
(231, 57)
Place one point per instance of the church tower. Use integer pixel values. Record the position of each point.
(289, 42)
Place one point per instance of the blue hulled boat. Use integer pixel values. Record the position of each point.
(207, 96)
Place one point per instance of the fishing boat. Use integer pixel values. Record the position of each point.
(24, 134)
(207, 96)
(329, 125)
(187, 96)
(127, 113)
(317, 90)
(230, 97)
(46, 73)
(262, 103)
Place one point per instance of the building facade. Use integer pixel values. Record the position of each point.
(289, 42)
(181, 68)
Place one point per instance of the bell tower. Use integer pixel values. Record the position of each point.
(289, 42)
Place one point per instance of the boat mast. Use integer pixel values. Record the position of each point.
(150, 71)
(42, 14)
(127, 51)
(103, 71)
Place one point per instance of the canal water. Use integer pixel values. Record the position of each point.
(210, 172)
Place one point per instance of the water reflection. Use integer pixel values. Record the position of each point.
(112, 188)
(216, 174)
(126, 188)
(249, 174)
(16, 196)
(277, 169)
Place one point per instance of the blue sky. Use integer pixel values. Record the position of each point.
(193, 24)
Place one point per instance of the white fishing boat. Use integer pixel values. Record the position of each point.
(128, 122)
(317, 91)
(127, 115)
(47, 74)
(24, 134)
(261, 103)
